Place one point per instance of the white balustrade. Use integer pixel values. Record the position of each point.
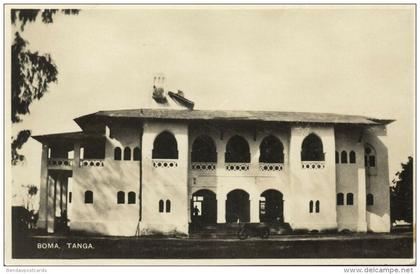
(60, 162)
(205, 166)
(313, 164)
(164, 163)
(267, 167)
(91, 163)
(237, 166)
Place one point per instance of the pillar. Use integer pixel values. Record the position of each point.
(255, 209)
(361, 198)
(43, 189)
(221, 210)
(52, 181)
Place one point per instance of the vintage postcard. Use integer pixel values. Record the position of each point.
(209, 134)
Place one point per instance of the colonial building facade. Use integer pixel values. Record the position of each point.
(160, 170)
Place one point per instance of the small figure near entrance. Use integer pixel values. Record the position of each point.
(196, 211)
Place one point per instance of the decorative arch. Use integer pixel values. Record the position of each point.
(350, 199)
(117, 154)
(237, 150)
(370, 156)
(271, 150)
(237, 206)
(312, 148)
(161, 205)
(131, 197)
(168, 206)
(203, 207)
(340, 198)
(271, 206)
(369, 199)
(203, 150)
(352, 157)
(165, 146)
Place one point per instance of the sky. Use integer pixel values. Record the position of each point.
(343, 59)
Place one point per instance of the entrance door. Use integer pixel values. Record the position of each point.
(271, 206)
(203, 207)
(237, 206)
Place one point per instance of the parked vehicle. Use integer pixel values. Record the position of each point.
(254, 230)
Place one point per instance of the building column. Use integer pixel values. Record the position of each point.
(361, 200)
(254, 209)
(52, 182)
(221, 209)
(43, 189)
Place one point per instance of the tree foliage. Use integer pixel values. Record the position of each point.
(31, 72)
(402, 193)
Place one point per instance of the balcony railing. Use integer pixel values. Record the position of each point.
(237, 166)
(164, 163)
(268, 167)
(313, 164)
(91, 163)
(205, 166)
(60, 163)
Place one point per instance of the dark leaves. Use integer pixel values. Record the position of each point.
(402, 193)
(17, 144)
(30, 15)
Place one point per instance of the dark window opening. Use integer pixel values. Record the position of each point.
(203, 150)
(340, 199)
(372, 161)
(165, 146)
(70, 197)
(94, 149)
(352, 157)
(369, 199)
(127, 154)
(311, 206)
(160, 205)
(131, 197)
(344, 157)
(168, 206)
(312, 149)
(117, 154)
(317, 206)
(271, 150)
(136, 154)
(349, 198)
(237, 150)
(120, 197)
(88, 197)
(337, 157)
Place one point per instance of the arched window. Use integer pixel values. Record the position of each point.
(340, 199)
(312, 149)
(369, 199)
(317, 206)
(165, 146)
(271, 150)
(370, 156)
(136, 154)
(160, 205)
(131, 197)
(337, 157)
(352, 157)
(117, 154)
(349, 198)
(127, 154)
(203, 150)
(311, 206)
(88, 197)
(121, 197)
(237, 150)
(344, 157)
(168, 206)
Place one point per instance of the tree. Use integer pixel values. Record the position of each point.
(31, 72)
(402, 193)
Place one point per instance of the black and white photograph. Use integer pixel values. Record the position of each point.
(181, 134)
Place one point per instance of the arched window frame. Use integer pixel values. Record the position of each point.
(344, 159)
(88, 197)
(350, 198)
(127, 154)
(136, 154)
(161, 205)
(340, 199)
(370, 156)
(160, 151)
(206, 144)
(117, 154)
(311, 206)
(312, 148)
(352, 157)
(120, 197)
(131, 197)
(317, 206)
(245, 157)
(168, 206)
(267, 156)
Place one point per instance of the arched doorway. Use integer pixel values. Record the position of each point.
(271, 206)
(237, 206)
(203, 207)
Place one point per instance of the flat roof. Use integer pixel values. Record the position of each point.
(234, 115)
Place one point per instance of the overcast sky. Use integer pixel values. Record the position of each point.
(349, 60)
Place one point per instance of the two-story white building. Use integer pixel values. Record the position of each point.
(159, 170)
